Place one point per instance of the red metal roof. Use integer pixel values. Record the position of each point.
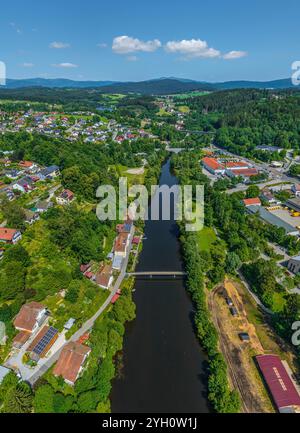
(252, 201)
(281, 386)
(212, 163)
(115, 298)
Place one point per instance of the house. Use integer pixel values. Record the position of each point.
(21, 339)
(12, 174)
(117, 263)
(104, 278)
(65, 197)
(28, 166)
(296, 189)
(294, 265)
(30, 216)
(49, 172)
(9, 236)
(71, 361)
(23, 185)
(42, 206)
(267, 196)
(85, 268)
(121, 244)
(42, 343)
(213, 166)
(30, 317)
(252, 202)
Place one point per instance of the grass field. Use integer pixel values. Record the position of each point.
(206, 238)
(184, 109)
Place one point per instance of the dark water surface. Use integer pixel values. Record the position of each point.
(164, 366)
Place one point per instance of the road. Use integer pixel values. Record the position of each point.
(87, 326)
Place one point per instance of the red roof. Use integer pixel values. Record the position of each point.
(70, 361)
(7, 234)
(212, 163)
(278, 380)
(252, 201)
(248, 172)
(234, 164)
(115, 298)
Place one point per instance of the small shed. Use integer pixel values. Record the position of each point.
(70, 323)
(244, 336)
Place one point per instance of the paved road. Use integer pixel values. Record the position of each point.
(87, 326)
(256, 298)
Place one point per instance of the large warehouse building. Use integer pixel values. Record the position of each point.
(280, 383)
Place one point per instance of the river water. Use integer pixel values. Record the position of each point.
(164, 368)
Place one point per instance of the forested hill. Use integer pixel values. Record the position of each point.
(161, 86)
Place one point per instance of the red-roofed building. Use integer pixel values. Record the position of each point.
(65, 197)
(213, 166)
(236, 165)
(70, 362)
(115, 298)
(280, 383)
(245, 173)
(252, 202)
(9, 236)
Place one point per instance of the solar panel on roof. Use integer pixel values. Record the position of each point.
(43, 343)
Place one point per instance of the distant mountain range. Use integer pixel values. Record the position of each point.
(160, 86)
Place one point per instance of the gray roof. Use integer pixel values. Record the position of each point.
(272, 219)
(3, 372)
(48, 170)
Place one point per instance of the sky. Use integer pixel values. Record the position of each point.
(137, 40)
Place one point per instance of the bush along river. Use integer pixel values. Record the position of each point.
(164, 368)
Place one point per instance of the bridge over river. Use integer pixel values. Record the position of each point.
(152, 274)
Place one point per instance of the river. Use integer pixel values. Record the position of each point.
(164, 368)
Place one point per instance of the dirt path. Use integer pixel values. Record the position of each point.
(243, 374)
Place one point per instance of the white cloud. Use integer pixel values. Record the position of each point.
(192, 48)
(235, 55)
(28, 65)
(65, 65)
(102, 45)
(16, 28)
(127, 44)
(59, 45)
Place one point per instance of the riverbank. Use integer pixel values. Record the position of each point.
(164, 367)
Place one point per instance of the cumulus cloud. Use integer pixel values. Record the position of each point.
(235, 55)
(65, 65)
(192, 48)
(127, 44)
(59, 45)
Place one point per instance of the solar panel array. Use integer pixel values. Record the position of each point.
(43, 343)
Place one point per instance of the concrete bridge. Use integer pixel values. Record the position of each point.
(152, 274)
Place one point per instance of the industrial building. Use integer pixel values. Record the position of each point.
(269, 218)
(281, 385)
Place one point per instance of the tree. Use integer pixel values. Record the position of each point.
(43, 399)
(233, 262)
(253, 191)
(18, 399)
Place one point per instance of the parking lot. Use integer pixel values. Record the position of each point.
(286, 217)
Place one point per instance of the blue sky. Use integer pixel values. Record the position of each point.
(136, 40)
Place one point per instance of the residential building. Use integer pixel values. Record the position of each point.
(30, 317)
(268, 197)
(31, 217)
(294, 265)
(49, 172)
(71, 361)
(9, 236)
(117, 263)
(104, 278)
(65, 197)
(42, 343)
(23, 185)
(42, 206)
(296, 189)
(121, 244)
